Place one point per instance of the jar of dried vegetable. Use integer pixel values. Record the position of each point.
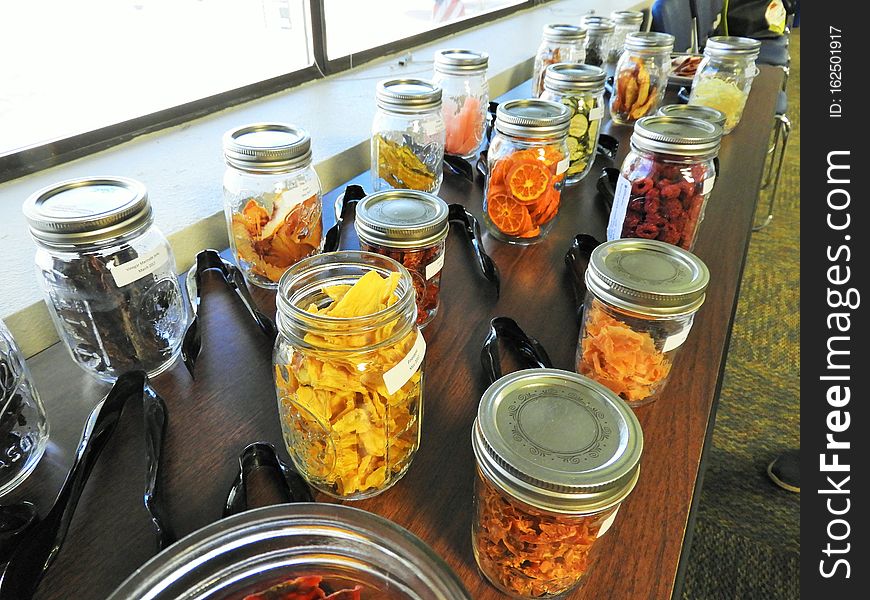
(560, 43)
(349, 371)
(461, 74)
(599, 39)
(411, 227)
(724, 77)
(666, 180)
(641, 76)
(108, 275)
(272, 199)
(408, 136)
(527, 160)
(641, 300)
(626, 21)
(556, 453)
(581, 89)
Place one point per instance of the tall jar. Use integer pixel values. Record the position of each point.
(408, 136)
(461, 75)
(23, 427)
(599, 39)
(272, 199)
(641, 300)
(580, 88)
(527, 160)
(108, 275)
(724, 77)
(665, 181)
(410, 227)
(350, 388)
(626, 21)
(641, 76)
(560, 43)
(556, 456)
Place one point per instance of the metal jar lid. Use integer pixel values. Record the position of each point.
(697, 111)
(557, 441)
(594, 24)
(647, 277)
(461, 62)
(683, 136)
(267, 147)
(574, 77)
(532, 118)
(87, 210)
(732, 46)
(408, 95)
(649, 41)
(563, 33)
(627, 17)
(401, 219)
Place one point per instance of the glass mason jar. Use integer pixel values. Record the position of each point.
(527, 160)
(23, 427)
(108, 275)
(696, 111)
(461, 75)
(641, 300)
(556, 455)
(599, 39)
(350, 389)
(626, 21)
(665, 180)
(272, 199)
(561, 43)
(725, 75)
(410, 227)
(408, 136)
(581, 89)
(641, 76)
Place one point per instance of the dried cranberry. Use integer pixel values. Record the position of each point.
(640, 187)
(671, 191)
(636, 205)
(632, 219)
(647, 231)
(669, 233)
(653, 194)
(652, 207)
(687, 188)
(672, 208)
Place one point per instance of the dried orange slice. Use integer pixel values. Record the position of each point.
(500, 171)
(507, 214)
(527, 180)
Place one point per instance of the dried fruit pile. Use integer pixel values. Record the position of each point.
(635, 96)
(399, 166)
(464, 127)
(551, 56)
(346, 433)
(268, 241)
(305, 588)
(722, 95)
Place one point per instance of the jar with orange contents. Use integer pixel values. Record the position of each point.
(527, 161)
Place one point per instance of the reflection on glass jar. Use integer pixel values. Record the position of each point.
(272, 199)
(599, 39)
(560, 43)
(626, 21)
(108, 275)
(641, 76)
(461, 75)
(349, 371)
(642, 296)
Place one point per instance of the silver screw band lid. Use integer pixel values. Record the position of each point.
(461, 62)
(627, 17)
(697, 111)
(597, 25)
(567, 77)
(402, 219)
(649, 41)
(408, 95)
(732, 46)
(533, 118)
(685, 136)
(560, 32)
(267, 147)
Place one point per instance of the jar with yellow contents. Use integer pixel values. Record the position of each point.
(349, 371)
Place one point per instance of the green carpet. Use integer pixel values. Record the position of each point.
(747, 537)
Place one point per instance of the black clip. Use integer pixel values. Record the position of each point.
(259, 455)
(606, 186)
(608, 146)
(577, 259)
(459, 214)
(528, 348)
(345, 210)
(459, 166)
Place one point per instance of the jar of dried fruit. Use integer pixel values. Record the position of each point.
(641, 300)
(581, 89)
(411, 227)
(272, 199)
(527, 161)
(705, 113)
(599, 39)
(626, 21)
(408, 136)
(556, 455)
(641, 76)
(561, 43)
(724, 77)
(461, 74)
(349, 371)
(665, 180)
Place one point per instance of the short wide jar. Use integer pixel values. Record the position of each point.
(556, 455)
(350, 389)
(641, 300)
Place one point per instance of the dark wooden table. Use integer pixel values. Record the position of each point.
(232, 402)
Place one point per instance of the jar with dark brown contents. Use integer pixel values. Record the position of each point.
(410, 227)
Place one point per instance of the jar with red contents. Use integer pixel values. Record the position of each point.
(665, 180)
(410, 227)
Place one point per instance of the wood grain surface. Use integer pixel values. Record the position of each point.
(232, 401)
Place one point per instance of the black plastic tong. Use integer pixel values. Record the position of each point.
(526, 347)
(577, 259)
(262, 457)
(460, 215)
(345, 211)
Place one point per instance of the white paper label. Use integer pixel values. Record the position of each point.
(563, 165)
(136, 269)
(596, 113)
(434, 267)
(676, 340)
(708, 184)
(607, 523)
(399, 375)
(620, 205)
